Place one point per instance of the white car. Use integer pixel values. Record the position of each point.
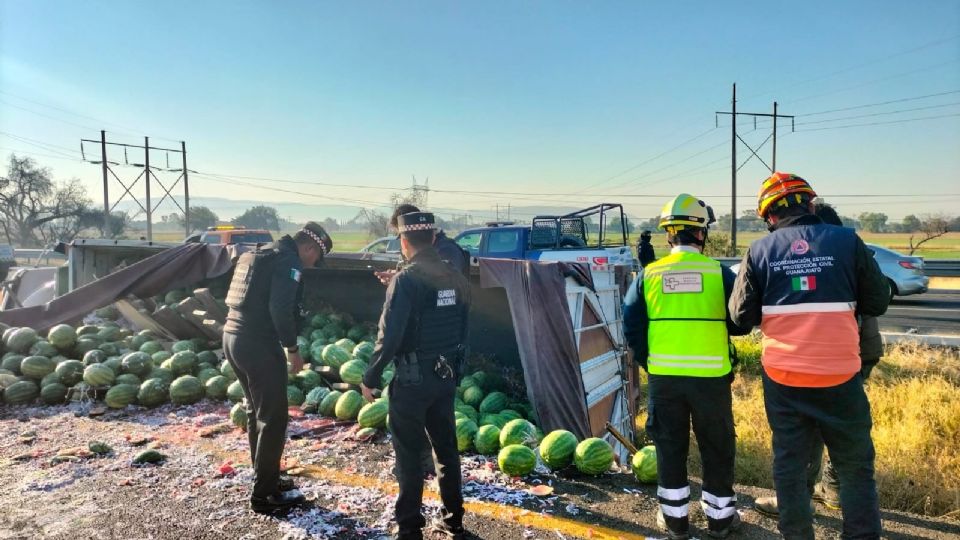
(386, 248)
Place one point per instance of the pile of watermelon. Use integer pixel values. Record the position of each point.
(108, 362)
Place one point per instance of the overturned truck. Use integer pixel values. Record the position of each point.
(558, 323)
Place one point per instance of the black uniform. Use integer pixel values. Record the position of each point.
(264, 302)
(452, 253)
(645, 252)
(422, 330)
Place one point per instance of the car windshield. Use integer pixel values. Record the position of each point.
(251, 238)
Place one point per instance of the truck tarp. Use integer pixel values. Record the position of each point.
(545, 338)
(177, 267)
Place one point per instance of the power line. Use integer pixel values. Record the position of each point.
(882, 79)
(928, 107)
(901, 100)
(882, 123)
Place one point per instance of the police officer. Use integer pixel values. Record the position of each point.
(449, 251)
(264, 301)
(645, 252)
(423, 328)
(675, 319)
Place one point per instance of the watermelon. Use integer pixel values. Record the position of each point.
(200, 344)
(557, 449)
(110, 349)
(186, 389)
(518, 431)
(138, 363)
(457, 415)
(216, 387)
(487, 440)
(164, 375)
(510, 414)
(7, 332)
(20, 341)
(98, 375)
(473, 396)
(11, 362)
(87, 330)
(313, 398)
(319, 320)
(466, 431)
(108, 313)
(373, 415)
(121, 395)
(160, 357)
(151, 347)
(238, 415)
(235, 392)
(153, 392)
(53, 393)
(468, 411)
(20, 392)
(95, 356)
(593, 456)
(482, 380)
(328, 404)
(493, 403)
(363, 351)
(208, 357)
(346, 344)
(6, 379)
(348, 406)
(352, 371)
(62, 336)
(108, 333)
(37, 367)
(516, 460)
(493, 420)
(184, 345)
(644, 465)
(86, 344)
(128, 378)
(227, 371)
(356, 333)
(467, 382)
(205, 374)
(386, 377)
(183, 362)
(294, 396)
(50, 378)
(332, 331)
(334, 356)
(43, 348)
(365, 434)
(308, 379)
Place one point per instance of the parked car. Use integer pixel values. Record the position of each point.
(228, 234)
(905, 273)
(386, 244)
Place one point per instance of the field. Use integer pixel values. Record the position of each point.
(915, 400)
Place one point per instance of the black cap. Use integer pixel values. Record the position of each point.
(415, 221)
(316, 232)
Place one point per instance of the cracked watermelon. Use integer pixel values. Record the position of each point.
(518, 431)
(487, 440)
(644, 465)
(557, 449)
(516, 460)
(466, 431)
(348, 406)
(593, 456)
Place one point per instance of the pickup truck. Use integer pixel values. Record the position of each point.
(571, 238)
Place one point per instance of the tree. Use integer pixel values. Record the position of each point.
(931, 227)
(718, 245)
(258, 217)
(910, 224)
(34, 209)
(202, 218)
(874, 222)
(114, 227)
(330, 224)
(377, 223)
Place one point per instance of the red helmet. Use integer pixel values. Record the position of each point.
(777, 188)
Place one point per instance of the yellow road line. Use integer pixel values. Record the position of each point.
(511, 514)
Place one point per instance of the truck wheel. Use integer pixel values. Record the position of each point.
(893, 289)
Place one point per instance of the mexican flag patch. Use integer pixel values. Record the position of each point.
(804, 283)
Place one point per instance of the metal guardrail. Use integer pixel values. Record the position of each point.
(37, 256)
(931, 267)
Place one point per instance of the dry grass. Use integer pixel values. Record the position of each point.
(915, 398)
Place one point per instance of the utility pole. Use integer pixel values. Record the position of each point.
(106, 194)
(186, 190)
(733, 155)
(146, 168)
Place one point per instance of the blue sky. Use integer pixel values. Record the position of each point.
(561, 98)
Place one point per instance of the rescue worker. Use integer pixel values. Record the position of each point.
(264, 301)
(805, 284)
(645, 252)
(675, 319)
(423, 330)
(449, 251)
(822, 479)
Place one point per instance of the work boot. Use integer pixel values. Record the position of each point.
(397, 534)
(277, 503)
(448, 531)
(287, 483)
(725, 532)
(768, 506)
(826, 496)
(671, 534)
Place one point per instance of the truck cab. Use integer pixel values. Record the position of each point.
(229, 234)
(596, 235)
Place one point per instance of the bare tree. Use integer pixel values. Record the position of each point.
(377, 223)
(933, 226)
(33, 209)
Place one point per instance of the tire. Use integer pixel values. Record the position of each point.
(893, 289)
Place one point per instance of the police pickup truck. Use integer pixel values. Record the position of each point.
(595, 235)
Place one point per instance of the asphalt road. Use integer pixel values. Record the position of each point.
(934, 312)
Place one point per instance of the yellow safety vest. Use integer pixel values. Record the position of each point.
(687, 335)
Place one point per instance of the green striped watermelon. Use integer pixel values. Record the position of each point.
(43, 348)
(183, 362)
(644, 465)
(311, 402)
(334, 356)
(62, 336)
(121, 395)
(308, 379)
(516, 460)
(487, 440)
(494, 402)
(227, 371)
(53, 393)
(482, 380)
(21, 392)
(373, 415)
(151, 347)
(138, 363)
(50, 378)
(294, 396)
(467, 382)
(593, 456)
(352, 371)
(163, 374)
(466, 431)
(98, 375)
(556, 449)
(153, 392)
(518, 431)
(11, 362)
(346, 344)
(348, 406)
(37, 367)
(238, 415)
(216, 387)
(510, 414)
(20, 340)
(186, 389)
(235, 392)
(184, 345)
(128, 378)
(473, 396)
(468, 411)
(160, 357)
(363, 351)
(493, 420)
(328, 404)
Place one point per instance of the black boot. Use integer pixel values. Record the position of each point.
(278, 502)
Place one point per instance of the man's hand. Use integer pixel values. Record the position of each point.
(385, 276)
(367, 393)
(296, 362)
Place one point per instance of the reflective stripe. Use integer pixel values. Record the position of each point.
(810, 307)
(717, 513)
(676, 365)
(658, 271)
(684, 357)
(719, 502)
(677, 494)
(674, 511)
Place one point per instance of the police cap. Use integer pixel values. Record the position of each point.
(315, 232)
(415, 221)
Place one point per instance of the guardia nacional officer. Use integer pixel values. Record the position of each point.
(264, 301)
(422, 330)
